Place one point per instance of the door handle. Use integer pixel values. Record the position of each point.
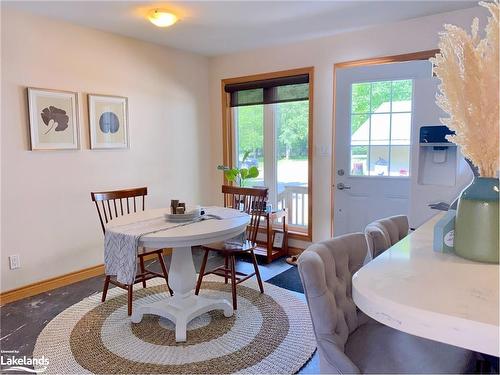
(342, 186)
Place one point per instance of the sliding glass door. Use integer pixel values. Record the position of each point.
(270, 125)
(249, 137)
(292, 167)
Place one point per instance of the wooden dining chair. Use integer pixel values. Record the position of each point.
(253, 202)
(112, 204)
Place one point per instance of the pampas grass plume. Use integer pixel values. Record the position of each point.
(468, 68)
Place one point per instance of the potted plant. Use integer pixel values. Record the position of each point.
(468, 68)
(240, 175)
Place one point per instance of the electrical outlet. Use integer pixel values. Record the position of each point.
(14, 262)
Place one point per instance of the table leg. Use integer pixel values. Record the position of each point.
(269, 247)
(184, 305)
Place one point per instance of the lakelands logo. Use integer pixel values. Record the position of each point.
(12, 363)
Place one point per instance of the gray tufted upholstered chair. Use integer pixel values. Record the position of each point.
(348, 340)
(382, 234)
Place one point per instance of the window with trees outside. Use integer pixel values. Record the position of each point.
(381, 128)
(270, 124)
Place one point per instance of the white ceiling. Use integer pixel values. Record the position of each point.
(220, 27)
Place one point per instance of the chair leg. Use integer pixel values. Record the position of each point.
(143, 270)
(105, 289)
(164, 270)
(233, 280)
(202, 271)
(226, 266)
(257, 273)
(130, 290)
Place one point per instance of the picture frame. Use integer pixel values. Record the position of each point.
(53, 119)
(278, 239)
(108, 121)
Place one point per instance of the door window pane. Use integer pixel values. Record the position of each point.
(292, 128)
(401, 128)
(386, 127)
(360, 102)
(400, 160)
(359, 160)
(402, 92)
(381, 97)
(401, 106)
(360, 129)
(379, 161)
(380, 129)
(250, 138)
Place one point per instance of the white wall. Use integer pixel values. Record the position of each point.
(397, 38)
(47, 215)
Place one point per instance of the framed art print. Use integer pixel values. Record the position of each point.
(278, 239)
(108, 118)
(53, 119)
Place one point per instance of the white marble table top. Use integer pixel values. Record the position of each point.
(193, 234)
(437, 296)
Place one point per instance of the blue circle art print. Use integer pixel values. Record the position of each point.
(109, 122)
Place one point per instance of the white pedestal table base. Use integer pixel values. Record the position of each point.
(184, 306)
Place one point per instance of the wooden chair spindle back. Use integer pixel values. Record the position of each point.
(249, 200)
(108, 208)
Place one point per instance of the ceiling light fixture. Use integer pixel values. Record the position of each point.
(162, 18)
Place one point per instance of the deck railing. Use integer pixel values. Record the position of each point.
(295, 199)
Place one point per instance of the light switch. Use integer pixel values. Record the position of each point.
(323, 150)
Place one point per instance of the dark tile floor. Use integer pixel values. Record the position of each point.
(22, 321)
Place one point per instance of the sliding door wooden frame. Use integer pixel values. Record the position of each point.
(227, 132)
(422, 55)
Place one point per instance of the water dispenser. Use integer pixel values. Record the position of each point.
(437, 164)
(441, 173)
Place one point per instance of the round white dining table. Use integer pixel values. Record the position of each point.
(184, 305)
(438, 296)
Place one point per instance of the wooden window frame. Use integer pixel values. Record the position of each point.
(227, 133)
(421, 55)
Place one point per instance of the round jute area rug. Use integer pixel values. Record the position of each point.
(269, 333)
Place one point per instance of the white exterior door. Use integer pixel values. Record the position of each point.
(372, 156)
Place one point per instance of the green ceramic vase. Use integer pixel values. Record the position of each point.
(476, 223)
